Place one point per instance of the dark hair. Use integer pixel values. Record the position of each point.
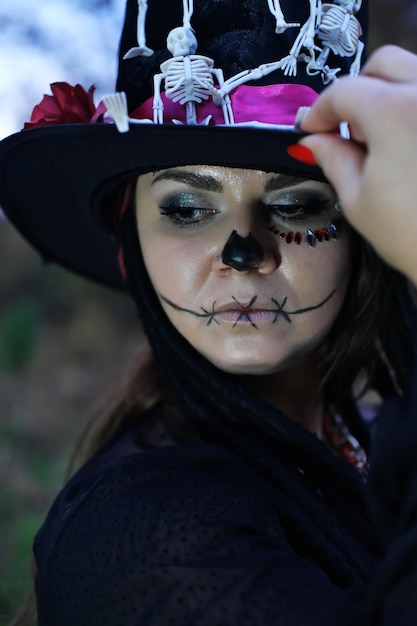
(354, 346)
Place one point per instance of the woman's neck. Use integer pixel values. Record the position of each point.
(295, 392)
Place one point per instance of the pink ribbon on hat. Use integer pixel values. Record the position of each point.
(268, 104)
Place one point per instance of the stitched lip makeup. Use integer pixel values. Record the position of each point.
(236, 311)
(245, 311)
(247, 316)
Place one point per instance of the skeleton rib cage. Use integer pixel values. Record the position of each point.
(339, 30)
(188, 78)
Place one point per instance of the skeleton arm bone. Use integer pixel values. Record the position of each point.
(158, 105)
(308, 37)
(281, 24)
(247, 75)
(356, 65)
(305, 39)
(223, 100)
(141, 49)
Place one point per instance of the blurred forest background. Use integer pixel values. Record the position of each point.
(64, 342)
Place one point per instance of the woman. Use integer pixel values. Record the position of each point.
(228, 484)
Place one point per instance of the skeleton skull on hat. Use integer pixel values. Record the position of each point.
(181, 41)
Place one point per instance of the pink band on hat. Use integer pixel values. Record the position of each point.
(269, 104)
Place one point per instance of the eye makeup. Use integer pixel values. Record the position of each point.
(315, 207)
(298, 204)
(298, 211)
(187, 209)
(310, 203)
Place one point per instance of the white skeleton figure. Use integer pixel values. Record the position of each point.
(334, 25)
(189, 78)
(340, 32)
(281, 25)
(141, 50)
(289, 63)
(305, 39)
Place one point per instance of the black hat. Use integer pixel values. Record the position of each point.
(226, 93)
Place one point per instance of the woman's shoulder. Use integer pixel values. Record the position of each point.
(175, 533)
(148, 472)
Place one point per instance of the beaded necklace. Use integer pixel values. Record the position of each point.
(344, 444)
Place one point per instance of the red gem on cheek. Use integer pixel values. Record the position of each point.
(289, 237)
(325, 234)
(318, 235)
(298, 238)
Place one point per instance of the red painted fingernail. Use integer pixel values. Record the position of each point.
(302, 154)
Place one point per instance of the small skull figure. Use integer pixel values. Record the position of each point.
(189, 78)
(181, 42)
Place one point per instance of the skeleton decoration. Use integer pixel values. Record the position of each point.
(188, 77)
(281, 24)
(339, 31)
(141, 50)
(191, 79)
(336, 28)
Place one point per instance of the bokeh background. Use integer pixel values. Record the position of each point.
(64, 342)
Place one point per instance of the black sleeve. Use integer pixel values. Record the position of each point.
(184, 537)
(393, 487)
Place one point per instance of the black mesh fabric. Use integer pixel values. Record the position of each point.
(183, 533)
(163, 528)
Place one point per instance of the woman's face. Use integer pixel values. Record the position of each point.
(256, 320)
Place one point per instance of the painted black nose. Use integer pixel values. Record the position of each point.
(242, 253)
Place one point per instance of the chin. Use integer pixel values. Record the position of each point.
(248, 369)
(248, 366)
(260, 362)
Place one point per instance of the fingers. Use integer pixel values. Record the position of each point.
(342, 161)
(392, 64)
(350, 98)
(356, 99)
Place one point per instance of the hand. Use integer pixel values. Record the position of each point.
(375, 174)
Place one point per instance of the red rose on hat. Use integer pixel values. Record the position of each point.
(67, 105)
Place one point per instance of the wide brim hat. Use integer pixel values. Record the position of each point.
(58, 173)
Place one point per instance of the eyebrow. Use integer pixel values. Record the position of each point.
(281, 181)
(209, 183)
(200, 181)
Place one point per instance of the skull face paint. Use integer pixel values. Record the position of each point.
(246, 312)
(242, 253)
(264, 318)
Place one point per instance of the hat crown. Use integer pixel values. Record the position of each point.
(239, 35)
